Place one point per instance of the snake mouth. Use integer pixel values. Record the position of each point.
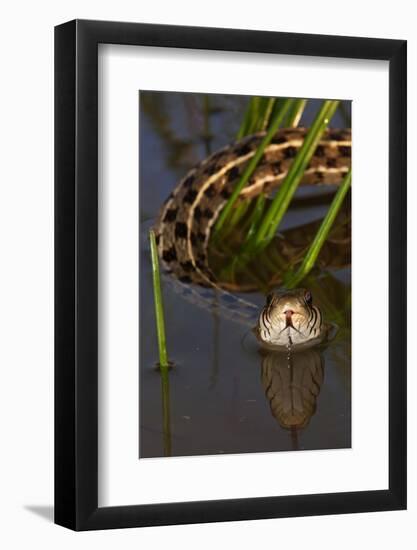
(288, 318)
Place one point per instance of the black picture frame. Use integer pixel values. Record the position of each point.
(76, 272)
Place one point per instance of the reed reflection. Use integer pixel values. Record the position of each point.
(166, 411)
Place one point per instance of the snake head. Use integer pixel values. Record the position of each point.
(289, 315)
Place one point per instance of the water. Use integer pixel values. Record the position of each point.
(224, 394)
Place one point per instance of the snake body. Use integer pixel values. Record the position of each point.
(185, 221)
(187, 217)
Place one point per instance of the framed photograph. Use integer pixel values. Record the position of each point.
(230, 248)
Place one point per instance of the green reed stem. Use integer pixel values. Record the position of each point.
(257, 116)
(295, 113)
(242, 128)
(235, 217)
(159, 309)
(270, 102)
(321, 235)
(253, 120)
(279, 205)
(249, 118)
(252, 165)
(256, 215)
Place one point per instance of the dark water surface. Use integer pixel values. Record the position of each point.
(223, 395)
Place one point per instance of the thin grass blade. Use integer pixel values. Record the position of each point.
(266, 118)
(295, 113)
(159, 308)
(321, 235)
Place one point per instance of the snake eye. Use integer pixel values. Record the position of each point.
(308, 297)
(269, 298)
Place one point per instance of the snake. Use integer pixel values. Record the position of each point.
(185, 222)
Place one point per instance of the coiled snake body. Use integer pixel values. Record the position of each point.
(186, 219)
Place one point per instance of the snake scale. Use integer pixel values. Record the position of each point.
(187, 217)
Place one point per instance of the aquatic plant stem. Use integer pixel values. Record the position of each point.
(159, 309)
(295, 113)
(252, 165)
(321, 235)
(268, 112)
(249, 119)
(256, 214)
(235, 217)
(163, 356)
(257, 116)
